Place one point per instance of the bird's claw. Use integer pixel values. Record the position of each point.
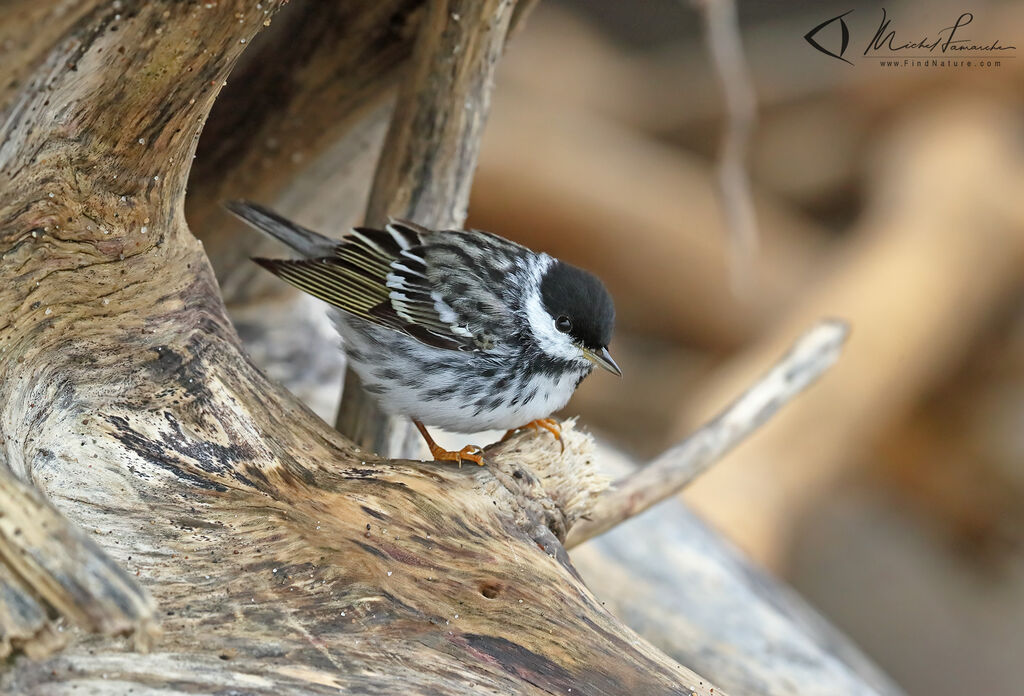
(440, 454)
(469, 452)
(549, 424)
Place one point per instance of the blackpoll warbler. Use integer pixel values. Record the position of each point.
(463, 330)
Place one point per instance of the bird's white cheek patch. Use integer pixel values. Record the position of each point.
(552, 341)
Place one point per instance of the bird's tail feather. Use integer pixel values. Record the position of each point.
(305, 241)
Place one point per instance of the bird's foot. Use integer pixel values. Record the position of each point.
(440, 454)
(469, 452)
(549, 424)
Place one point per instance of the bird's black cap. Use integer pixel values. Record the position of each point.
(567, 291)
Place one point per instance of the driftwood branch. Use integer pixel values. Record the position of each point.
(427, 163)
(670, 576)
(53, 578)
(282, 560)
(670, 472)
(302, 111)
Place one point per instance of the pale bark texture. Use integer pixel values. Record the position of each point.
(280, 559)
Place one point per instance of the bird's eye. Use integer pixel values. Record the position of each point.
(563, 324)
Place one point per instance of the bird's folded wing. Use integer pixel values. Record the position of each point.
(380, 276)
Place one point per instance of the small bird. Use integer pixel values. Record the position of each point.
(463, 330)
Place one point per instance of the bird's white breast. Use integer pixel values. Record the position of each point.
(447, 388)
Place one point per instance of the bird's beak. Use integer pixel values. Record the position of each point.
(602, 358)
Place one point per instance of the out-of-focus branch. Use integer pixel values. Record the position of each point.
(722, 32)
(812, 355)
(938, 248)
(520, 14)
(429, 156)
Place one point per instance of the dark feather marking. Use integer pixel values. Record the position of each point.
(424, 335)
(378, 240)
(445, 392)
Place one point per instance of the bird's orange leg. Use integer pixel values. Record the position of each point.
(440, 454)
(549, 424)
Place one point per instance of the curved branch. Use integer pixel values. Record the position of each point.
(671, 471)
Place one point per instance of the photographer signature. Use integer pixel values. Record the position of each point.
(949, 39)
(883, 40)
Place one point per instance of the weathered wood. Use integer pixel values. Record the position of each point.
(703, 603)
(54, 577)
(684, 588)
(304, 106)
(428, 159)
(282, 560)
(815, 352)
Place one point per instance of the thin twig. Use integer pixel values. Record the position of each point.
(671, 471)
(520, 14)
(722, 32)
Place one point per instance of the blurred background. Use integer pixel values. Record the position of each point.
(891, 494)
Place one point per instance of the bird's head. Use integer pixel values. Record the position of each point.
(575, 318)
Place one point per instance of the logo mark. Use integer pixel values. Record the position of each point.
(809, 37)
